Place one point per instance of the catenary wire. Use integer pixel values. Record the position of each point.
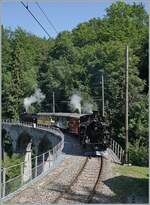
(49, 21)
(35, 18)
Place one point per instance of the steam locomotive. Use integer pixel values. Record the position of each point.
(95, 134)
(91, 129)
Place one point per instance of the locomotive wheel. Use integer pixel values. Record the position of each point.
(84, 146)
(81, 140)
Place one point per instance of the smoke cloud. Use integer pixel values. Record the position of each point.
(38, 96)
(75, 103)
(87, 108)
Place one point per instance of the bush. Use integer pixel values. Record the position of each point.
(14, 160)
(138, 154)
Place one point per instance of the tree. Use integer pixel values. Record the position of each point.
(6, 70)
(21, 52)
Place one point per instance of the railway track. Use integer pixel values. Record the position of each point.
(83, 186)
(90, 197)
(72, 182)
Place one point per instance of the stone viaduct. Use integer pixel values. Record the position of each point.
(47, 144)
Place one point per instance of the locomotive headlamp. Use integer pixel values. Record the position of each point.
(87, 140)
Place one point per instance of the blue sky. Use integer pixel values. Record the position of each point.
(64, 15)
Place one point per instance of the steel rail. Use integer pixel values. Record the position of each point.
(91, 195)
(72, 182)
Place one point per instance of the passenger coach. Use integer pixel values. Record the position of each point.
(66, 121)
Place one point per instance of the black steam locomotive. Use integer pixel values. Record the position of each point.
(28, 117)
(95, 135)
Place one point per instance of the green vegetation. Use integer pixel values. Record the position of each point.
(12, 172)
(13, 185)
(15, 159)
(73, 61)
(130, 181)
(139, 154)
(133, 171)
(6, 144)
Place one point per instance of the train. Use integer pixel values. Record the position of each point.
(91, 129)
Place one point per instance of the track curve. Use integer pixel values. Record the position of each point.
(72, 182)
(84, 184)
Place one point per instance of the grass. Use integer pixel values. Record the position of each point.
(135, 171)
(130, 181)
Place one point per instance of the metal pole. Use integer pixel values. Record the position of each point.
(36, 164)
(4, 181)
(1, 154)
(53, 102)
(43, 161)
(102, 94)
(22, 177)
(49, 159)
(126, 106)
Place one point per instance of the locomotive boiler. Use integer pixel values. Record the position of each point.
(95, 134)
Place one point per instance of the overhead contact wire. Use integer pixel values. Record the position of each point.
(35, 18)
(49, 21)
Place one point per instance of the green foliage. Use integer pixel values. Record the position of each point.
(138, 154)
(14, 160)
(19, 69)
(7, 145)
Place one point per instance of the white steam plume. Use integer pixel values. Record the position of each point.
(75, 102)
(87, 108)
(38, 96)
